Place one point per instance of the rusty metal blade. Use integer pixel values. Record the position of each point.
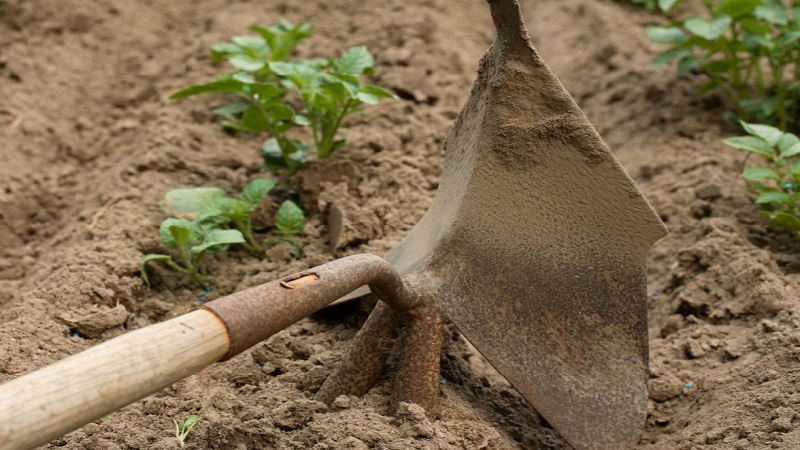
(536, 245)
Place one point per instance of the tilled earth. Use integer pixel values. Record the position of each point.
(89, 144)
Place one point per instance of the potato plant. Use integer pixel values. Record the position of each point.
(776, 182)
(748, 49)
(274, 93)
(218, 221)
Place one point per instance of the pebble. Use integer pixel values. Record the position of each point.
(665, 388)
(708, 191)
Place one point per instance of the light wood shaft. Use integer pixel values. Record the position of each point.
(43, 405)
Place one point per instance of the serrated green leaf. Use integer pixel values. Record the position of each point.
(760, 174)
(768, 133)
(217, 238)
(666, 35)
(773, 197)
(751, 144)
(256, 190)
(354, 61)
(193, 200)
(289, 220)
(708, 29)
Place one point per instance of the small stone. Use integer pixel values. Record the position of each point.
(665, 388)
(413, 421)
(708, 191)
(770, 326)
(694, 349)
(342, 402)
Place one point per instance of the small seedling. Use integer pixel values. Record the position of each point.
(184, 427)
(192, 241)
(748, 49)
(213, 207)
(289, 222)
(776, 183)
(326, 91)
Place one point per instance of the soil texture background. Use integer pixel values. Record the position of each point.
(90, 142)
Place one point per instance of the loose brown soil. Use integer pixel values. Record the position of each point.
(89, 143)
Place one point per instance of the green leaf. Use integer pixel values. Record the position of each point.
(737, 8)
(193, 200)
(706, 29)
(247, 62)
(217, 238)
(773, 197)
(255, 120)
(667, 5)
(785, 221)
(301, 75)
(254, 45)
(256, 190)
(274, 158)
(795, 167)
(378, 92)
(751, 144)
(666, 35)
(354, 61)
(231, 110)
(153, 257)
(787, 141)
(687, 65)
(289, 220)
(672, 54)
(301, 120)
(760, 174)
(773, 12)
(222, 85)
(178, 233)
(791, 151)
(768, 133)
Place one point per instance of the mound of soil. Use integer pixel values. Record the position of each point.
(89, 144)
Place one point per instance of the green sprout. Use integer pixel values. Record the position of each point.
(776, 183)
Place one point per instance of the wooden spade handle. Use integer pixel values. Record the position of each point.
(43, 405)
(50, 402)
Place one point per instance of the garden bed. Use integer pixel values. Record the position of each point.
(90, 142)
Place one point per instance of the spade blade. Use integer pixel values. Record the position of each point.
(535, 247)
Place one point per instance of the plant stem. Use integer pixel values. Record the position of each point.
(324, 150)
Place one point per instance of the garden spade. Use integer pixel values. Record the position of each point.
(534, 248)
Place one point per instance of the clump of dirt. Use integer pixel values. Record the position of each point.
(89, 143)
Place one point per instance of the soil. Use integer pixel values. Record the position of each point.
(90, 142)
